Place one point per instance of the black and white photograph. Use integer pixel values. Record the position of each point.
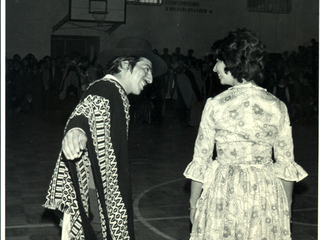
(159, 119)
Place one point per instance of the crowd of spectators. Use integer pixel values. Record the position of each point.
(37, 86)
(293, 78)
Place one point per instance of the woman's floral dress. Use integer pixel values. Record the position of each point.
(243, 197)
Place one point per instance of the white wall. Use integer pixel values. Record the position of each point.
(29, 25)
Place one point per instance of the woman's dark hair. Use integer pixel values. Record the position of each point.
(114, 66)
(243, 54)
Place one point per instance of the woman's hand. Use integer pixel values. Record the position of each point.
(196, 189)
(192, 214)
(288, 188)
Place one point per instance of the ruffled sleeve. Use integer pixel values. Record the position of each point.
(285, 167)
(290, 172)
(203, 150)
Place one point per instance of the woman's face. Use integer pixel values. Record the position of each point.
(225, 78)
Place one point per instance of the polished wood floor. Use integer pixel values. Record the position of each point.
(159, 153)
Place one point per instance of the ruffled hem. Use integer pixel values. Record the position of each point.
(56, 205)
(290, 172)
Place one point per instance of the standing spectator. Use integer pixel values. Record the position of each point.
(83, 66)
(20, 88)
(210, 81)
(71, 77)
(305, 97)
(196, 109)
(281, 91)
(166, 56)
(95, 71)
(46, 83)
(186, 91)
(56, 77)
(190, 60)
(17, 57)
(26, 66)
(35, 88)
(70, 89)
(178, 54)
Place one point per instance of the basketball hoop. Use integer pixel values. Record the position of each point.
(99, 18)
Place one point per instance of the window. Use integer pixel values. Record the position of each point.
(145, 2)
(271, 6)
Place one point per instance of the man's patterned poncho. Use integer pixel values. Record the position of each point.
(103, 113)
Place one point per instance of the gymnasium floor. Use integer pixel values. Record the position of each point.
(159, 153)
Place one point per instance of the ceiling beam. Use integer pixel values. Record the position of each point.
(61, 23)
(113, 27)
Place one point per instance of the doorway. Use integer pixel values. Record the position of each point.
(62, 45)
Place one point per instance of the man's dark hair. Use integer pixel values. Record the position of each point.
(243, 54)
(114, 66)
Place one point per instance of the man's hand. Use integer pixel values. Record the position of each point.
(73, 143)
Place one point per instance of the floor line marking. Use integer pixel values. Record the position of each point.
(305, 224)
(54, 225)
(304, 209)
(32, 225)
(145, 221)
(152, 228)
(163, 218)
(136, 220)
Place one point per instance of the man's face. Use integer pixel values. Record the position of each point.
(140, 76)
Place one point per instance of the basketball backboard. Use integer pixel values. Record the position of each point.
(112, 11)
